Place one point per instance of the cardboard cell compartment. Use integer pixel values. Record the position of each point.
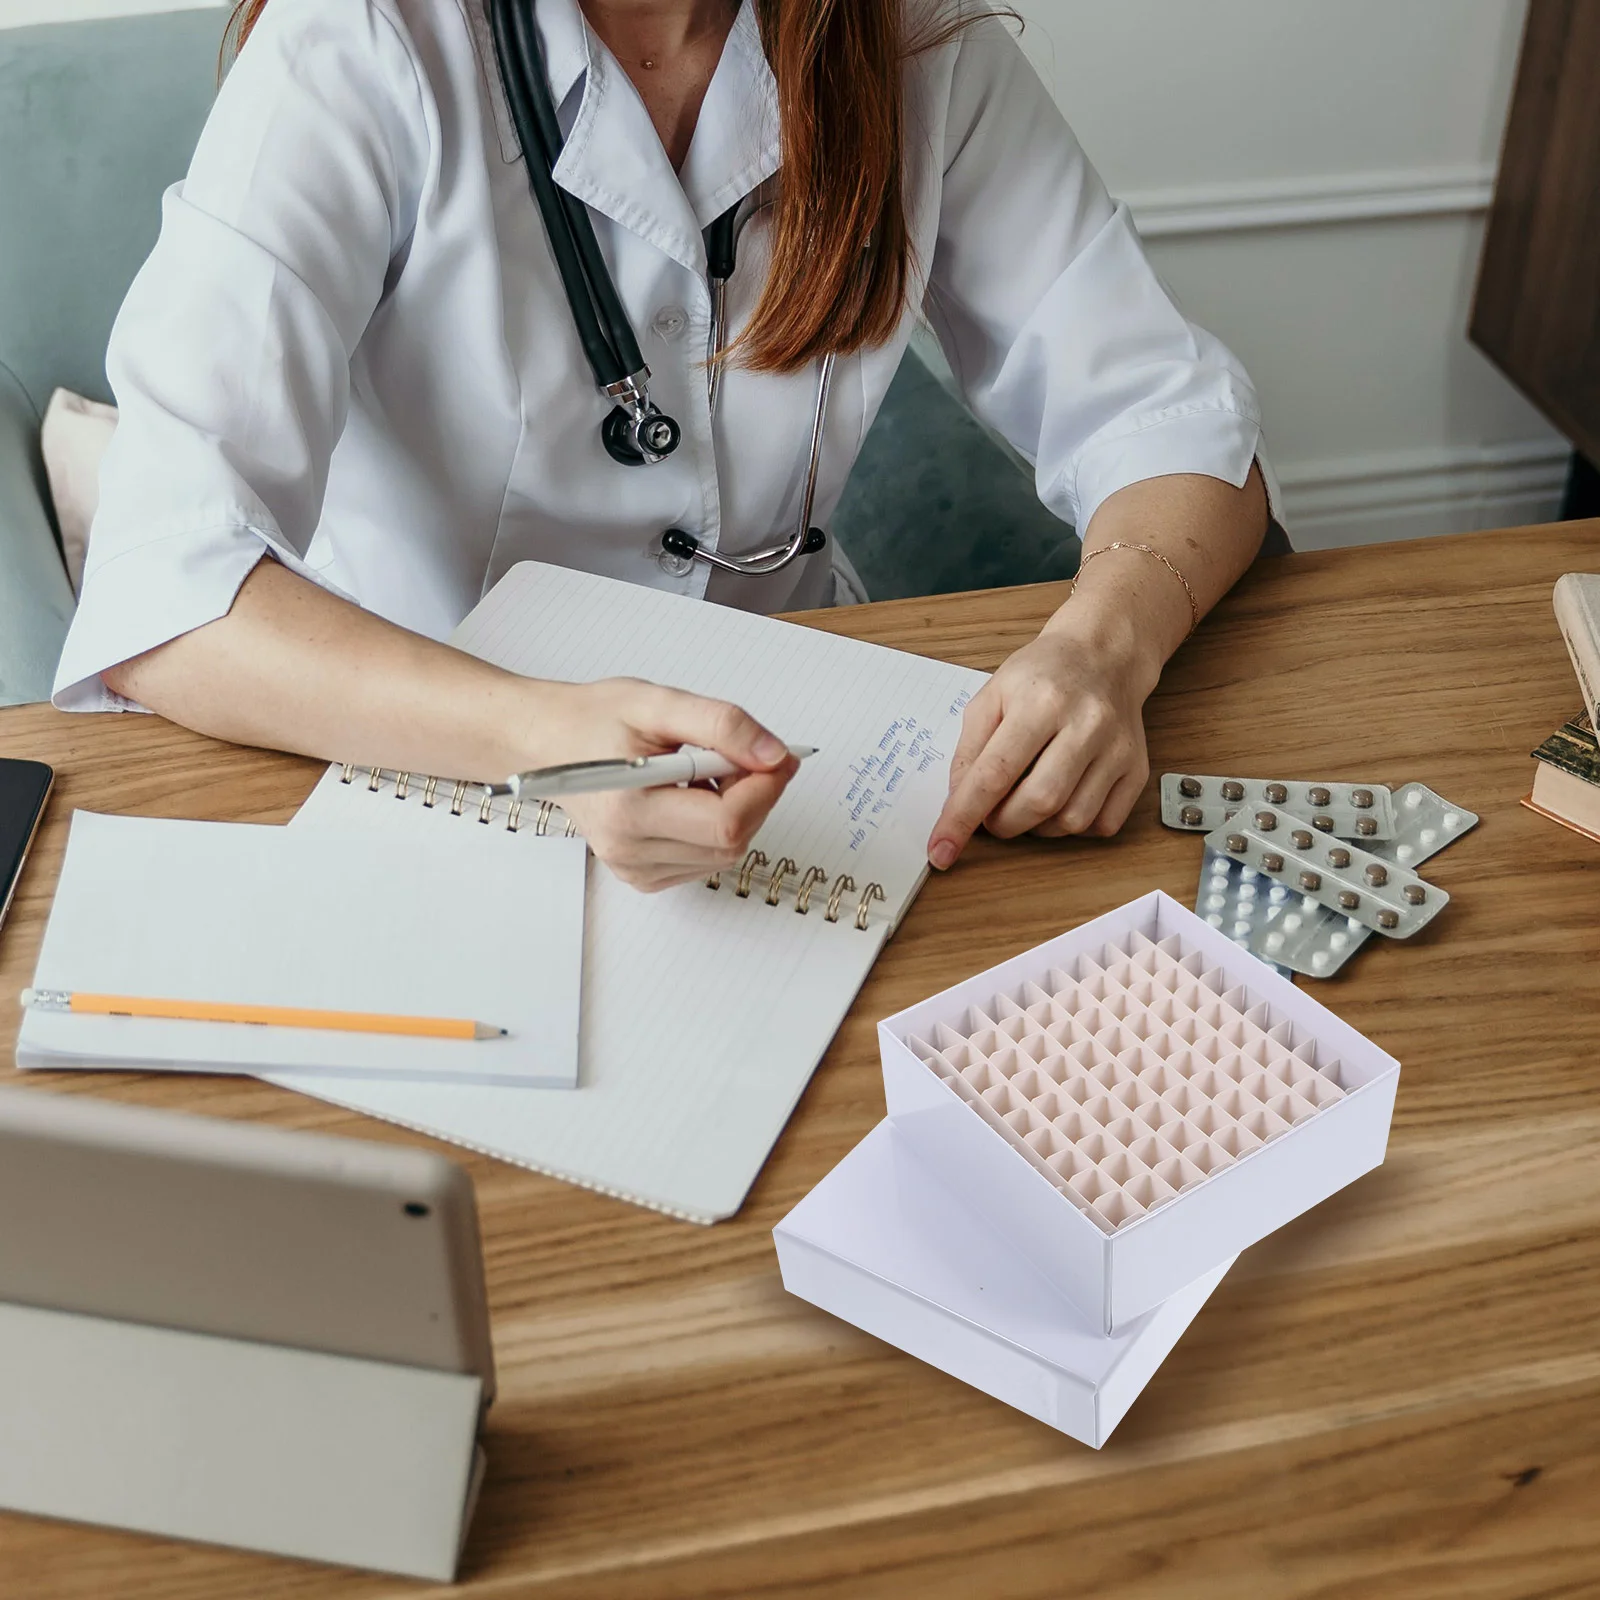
(883, 1244)
(1134, 1103)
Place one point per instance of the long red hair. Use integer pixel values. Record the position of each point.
(841, 249)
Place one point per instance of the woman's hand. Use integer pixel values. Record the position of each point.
(1053, 744)
(656, 838)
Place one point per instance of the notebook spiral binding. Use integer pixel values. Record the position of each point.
(547, 813)
(806, 885)
(485, 807)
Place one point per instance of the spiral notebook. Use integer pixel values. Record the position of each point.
(705, 1010)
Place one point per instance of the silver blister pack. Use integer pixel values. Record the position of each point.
(1337, 873)
(1199, 804)
(1239, 902)
(1311, 939)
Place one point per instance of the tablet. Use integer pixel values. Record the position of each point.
(344, 1246)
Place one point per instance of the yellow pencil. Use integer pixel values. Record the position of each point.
(127, 1005)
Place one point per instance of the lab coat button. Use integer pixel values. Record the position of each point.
(671, 321)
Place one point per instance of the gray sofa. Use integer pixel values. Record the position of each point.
(97, 118)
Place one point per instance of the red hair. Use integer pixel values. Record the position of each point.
(841, 247)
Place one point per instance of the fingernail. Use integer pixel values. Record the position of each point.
(943, 854)
(770, 749)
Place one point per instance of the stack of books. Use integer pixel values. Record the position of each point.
(1566, 784)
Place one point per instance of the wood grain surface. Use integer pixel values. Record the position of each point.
(1398, 1395)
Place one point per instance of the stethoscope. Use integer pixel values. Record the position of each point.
(636, 432)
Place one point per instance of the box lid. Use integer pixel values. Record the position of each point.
(883, 1244)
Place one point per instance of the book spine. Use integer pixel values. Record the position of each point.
(1577, 607)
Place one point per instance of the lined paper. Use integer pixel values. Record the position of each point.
(703, 1015)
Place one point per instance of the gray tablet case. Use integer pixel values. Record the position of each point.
(236, 1334)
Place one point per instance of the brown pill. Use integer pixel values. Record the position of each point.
(1277, 794)
(1377, 875)
(1388, 919)
(1365, 827)
(1272, 862)
(1301, 839)
(1349, 899)
(1322, 824)
(1232, 790)
(1266, 821)
(1237, 844)
(1415, 894)
(1338, 856)
(1361, 799)
(1191, 816)
(1189, 788)
(1319, 796)
(1310, 880)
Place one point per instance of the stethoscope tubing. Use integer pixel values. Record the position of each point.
(601, 320)
(602, 323)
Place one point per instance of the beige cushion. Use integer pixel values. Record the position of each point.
(76, 433)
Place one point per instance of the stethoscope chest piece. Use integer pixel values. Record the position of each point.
(639, 435)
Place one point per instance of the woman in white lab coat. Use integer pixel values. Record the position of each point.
(352, 393)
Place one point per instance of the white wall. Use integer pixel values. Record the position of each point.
(1312, 180)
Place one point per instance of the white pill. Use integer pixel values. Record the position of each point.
(1214, 920)
(1354, 924)
(1216, 902)
(1309, 901)
(1338, 941)
(1429, 835)
(1247, 891)
(1413, 799)
(1240, 928)
(1243, 943)
(1322, 960)
(1274, 941)
(1249, 874)
(1403, 852)
(1293, 921)
(1277, 894)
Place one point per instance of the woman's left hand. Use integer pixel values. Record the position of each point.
(1052, 744)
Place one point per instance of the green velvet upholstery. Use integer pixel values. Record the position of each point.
(98, 118)
(35, 598)
(936, 505)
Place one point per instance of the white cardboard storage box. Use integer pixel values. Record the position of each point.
(883, 1244)
(1134, 1103)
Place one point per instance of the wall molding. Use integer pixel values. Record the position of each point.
(1317, 200)
(1412, 494)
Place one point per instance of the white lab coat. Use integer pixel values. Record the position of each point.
(351, 347)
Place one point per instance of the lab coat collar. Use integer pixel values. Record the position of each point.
(613, 159)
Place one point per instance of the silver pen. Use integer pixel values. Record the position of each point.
(688, 765)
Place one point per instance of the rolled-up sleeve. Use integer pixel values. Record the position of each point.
(230, 359)
(1058, 329)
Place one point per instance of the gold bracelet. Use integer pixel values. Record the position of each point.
(1194, 607)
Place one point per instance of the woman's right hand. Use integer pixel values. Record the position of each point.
(656, 838)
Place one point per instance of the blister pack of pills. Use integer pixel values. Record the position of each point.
(1199, 804)
(1240, 903)
(1299, 934)
(1336, 873)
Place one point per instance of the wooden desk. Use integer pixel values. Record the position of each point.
(1397, 1396)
